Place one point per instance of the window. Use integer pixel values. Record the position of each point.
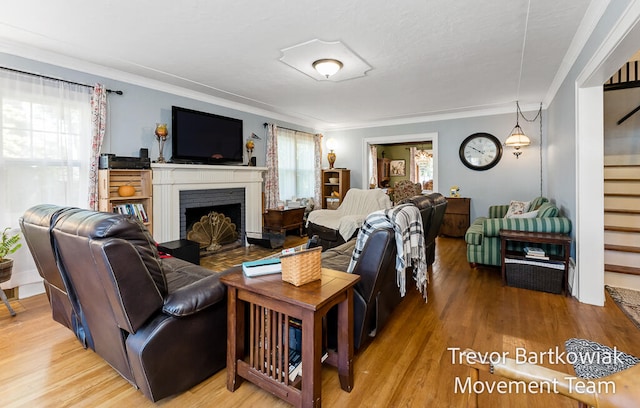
(296, 161)
(45, 137)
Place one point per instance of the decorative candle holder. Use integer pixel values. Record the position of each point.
(161, 135)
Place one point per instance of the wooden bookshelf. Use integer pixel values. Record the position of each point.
(110, 180)
(339, 187)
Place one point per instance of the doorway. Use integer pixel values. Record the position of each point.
(425, 138)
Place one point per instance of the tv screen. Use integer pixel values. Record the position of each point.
(200, 137)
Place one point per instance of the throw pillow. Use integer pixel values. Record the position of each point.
(530, 214)
(547, 210)
(517, 207)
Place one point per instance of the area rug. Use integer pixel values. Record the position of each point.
(628, 301)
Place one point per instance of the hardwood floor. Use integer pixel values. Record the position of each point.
(408, 364)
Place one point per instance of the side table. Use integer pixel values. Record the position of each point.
(456, 217)
(563, 240)
(183, 249)
(283, 220)
(271, 304)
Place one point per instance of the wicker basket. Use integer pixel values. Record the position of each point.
(333, 203)
(534, 277)
(301, 267)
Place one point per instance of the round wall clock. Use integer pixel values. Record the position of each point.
(480, 151)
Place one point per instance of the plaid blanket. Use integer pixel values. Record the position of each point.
(405, 220)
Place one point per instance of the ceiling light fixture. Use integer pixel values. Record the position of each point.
(327, 67)
(517, 139)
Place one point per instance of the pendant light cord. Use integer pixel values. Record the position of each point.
(538, 116)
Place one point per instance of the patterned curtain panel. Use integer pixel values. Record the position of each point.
(317, 169)
(271, 187)
(413, 174)
(373, 165)
(98, 123)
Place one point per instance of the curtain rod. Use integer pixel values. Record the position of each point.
(265, 124)
(57, 79)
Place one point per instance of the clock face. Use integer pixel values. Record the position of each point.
(480, 151)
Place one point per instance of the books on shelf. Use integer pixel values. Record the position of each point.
(295, 349)
(261, 267)
(134, 209)
(535, 253)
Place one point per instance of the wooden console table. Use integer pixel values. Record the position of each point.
(271, 303)
(563, 240)
(283, 220)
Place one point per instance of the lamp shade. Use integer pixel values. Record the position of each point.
(327, 67)
(517, 139)
(331, 144)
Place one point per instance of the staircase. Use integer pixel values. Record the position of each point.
(622, 219)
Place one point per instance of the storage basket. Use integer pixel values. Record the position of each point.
(301, 267)
(534, 277)
(333, 203)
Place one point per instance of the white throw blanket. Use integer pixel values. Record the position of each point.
(355, 207)
(406, 222)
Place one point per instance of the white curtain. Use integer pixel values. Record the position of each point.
(297, 174)
(45, 135)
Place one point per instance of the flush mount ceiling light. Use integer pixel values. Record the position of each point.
(327, 67)
(312, 56)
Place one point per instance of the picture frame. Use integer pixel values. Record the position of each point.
(397, 167)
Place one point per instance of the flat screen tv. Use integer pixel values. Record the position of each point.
(200, 137)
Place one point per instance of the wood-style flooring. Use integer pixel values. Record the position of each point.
(409, 364)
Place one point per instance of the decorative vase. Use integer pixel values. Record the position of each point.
(161, 135)
(250, 145)
(331, 157)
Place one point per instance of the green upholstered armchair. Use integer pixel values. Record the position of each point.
(483, 239)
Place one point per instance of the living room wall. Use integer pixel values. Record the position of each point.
(511, 179)
(132, 116)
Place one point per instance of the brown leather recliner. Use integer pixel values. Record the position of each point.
(161, 323)
(35, 225)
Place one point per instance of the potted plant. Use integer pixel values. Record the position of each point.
(8, 245)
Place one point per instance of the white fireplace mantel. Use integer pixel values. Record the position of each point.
(169, 179)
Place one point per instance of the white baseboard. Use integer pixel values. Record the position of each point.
(30, 289)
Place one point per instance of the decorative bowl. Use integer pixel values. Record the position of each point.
(334, 180)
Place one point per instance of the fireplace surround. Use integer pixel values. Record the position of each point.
(169, 179)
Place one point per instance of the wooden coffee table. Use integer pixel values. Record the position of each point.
(271, 303)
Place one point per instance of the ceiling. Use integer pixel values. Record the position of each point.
(428, 57)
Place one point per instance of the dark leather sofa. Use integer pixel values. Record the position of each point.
(160, 323)
(376, 295)
(432, 208)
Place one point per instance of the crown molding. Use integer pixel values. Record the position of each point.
(63, 61)
(591, 18)
(274, 113)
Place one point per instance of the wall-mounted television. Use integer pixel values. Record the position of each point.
(200, 137)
